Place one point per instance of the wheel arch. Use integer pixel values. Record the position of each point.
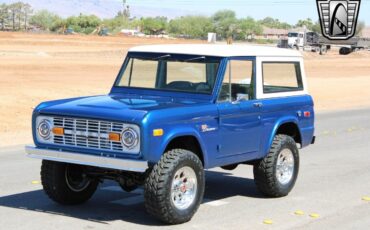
(189, 141)
(288, 127)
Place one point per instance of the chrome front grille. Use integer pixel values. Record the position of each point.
(84, 133)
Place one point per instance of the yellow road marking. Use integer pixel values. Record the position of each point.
(35, 182)
(299, 213)
(314, 215)
(267, 221)
(366, 198)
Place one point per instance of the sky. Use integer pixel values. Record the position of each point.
(285, 10)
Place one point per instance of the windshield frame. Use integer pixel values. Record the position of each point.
(157, 92)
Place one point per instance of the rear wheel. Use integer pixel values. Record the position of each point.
(174, 188)
(276, 174)
(345, 51)
(67, 184)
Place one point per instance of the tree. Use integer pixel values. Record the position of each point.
(27, 9)
(308, 23)
(117, 23)
(16, 15)
(4, 15)
(191, 26)
(13, 9)
(274, 23)
(250, 27)
(46, 20)
(154, 26)
(316, 27)
(225, 23)
(19, 9)
(83, 23)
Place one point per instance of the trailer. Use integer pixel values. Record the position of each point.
(315, 42)
(348, 46)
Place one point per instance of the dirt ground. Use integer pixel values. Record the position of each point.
(36, 68)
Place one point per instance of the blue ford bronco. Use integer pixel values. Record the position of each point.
(174, 111)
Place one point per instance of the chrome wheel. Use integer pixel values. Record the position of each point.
(285, 166)
(184, 188)
(76, 179)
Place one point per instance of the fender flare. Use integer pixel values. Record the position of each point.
(185, 131)
(277, 125)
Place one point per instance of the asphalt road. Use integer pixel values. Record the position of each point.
(334, 177)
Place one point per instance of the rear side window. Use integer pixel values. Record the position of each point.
(281, 77)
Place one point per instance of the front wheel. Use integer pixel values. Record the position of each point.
(67, 184)
(276, 174)
(174, 188)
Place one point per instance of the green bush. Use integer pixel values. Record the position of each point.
(47, 20)
(192, 26)
(84, 23)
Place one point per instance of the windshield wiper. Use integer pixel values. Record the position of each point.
(162, 57)
(196, 58)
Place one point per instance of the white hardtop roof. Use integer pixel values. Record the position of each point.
(218, 50)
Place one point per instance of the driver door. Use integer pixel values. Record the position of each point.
(239, 113)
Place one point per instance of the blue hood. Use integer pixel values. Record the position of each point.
(126, 108)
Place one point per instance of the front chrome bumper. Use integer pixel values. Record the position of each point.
(84, 159)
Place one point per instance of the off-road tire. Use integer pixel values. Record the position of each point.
(157, 188)
(265, 170)
(55, 186)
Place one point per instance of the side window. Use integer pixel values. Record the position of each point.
(281, 77)
(238, 81)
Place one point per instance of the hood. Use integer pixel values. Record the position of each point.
(126, 108)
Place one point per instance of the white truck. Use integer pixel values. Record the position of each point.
(296, 39)
(314, 42)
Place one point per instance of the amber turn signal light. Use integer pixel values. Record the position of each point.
(58, 131)
(158, 132)
(114, 137)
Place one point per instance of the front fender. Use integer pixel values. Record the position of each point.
(159, 144)
(272, 133)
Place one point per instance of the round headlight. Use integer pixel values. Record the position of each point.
(129, 138)
(44, 129)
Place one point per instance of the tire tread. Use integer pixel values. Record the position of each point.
(54, 185)
(156, 185)
(264, 175)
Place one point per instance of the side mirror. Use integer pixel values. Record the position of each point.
(240, 97)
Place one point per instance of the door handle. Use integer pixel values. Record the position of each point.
(258, 104)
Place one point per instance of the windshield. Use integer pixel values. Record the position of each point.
(293, 35)
(165, 72)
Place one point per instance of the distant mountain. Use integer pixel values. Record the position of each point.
(100, 8)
